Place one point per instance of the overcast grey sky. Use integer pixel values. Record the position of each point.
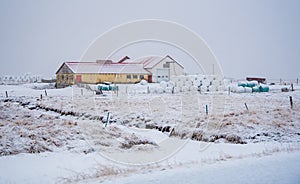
(260, 37)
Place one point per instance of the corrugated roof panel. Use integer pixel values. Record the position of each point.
(88, 67)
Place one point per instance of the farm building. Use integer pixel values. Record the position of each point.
(152, 69)
(161, 69)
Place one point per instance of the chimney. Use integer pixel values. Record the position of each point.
(123, 59)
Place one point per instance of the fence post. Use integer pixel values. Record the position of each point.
(246, 106)
(41, 96)
(107, 119)
(6, 93)
(46, 93)
(206, 109)
(291, 102)
(81, 92)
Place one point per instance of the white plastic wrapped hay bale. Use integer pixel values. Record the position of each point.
(233, 88)
(203, 89)
(171, 84)
(159, 90)
(143, 82)
(185, 89)
(215, 83)
(169, 90)
(240, 89)
(222, 88)
(179, 84)
(177, 89)
(193, 88)
(247, 90)
(212, 88)
(197, 83)
(206, 83)
(188, 83)
(163, 84)
(192, 77)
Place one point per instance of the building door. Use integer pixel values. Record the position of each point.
(150, 78)
(78, 78)
(163, 74)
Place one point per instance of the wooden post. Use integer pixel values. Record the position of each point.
(280, 81)
(206, 109)
(81, 92)
(291, 102)
(292, 86)
(297, 81)
(229, 90)
(46, 93)
(148, 89)
(41, 97)
(246, 107)
(6, 94)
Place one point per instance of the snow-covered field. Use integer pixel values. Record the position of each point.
(68, 137)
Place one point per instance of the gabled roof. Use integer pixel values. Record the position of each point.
(105, 67)
(150, 62)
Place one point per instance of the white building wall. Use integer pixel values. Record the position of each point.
(174, 69)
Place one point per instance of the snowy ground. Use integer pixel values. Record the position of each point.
(62, 137)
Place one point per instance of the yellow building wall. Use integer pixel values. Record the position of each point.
(63, 80)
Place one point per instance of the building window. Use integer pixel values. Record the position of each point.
(135, 76)
(166, 76)
(128, 76)
(158, 76)
(141, 77)
(166, 65)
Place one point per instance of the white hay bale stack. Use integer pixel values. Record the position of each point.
(203, 89)
(212, 88)
(253, 83)
(188, 83)
(240, 89)
(206, 83)
(193, 88)
(169, 89)
(200, 77)
(163, 84)
(221, 88)
(171, 84)
(247, 90)
(177, 89)
(185, 89)
(215, 83)
(197, 83)
(143, 82)
(192, 77)
(179, 84)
